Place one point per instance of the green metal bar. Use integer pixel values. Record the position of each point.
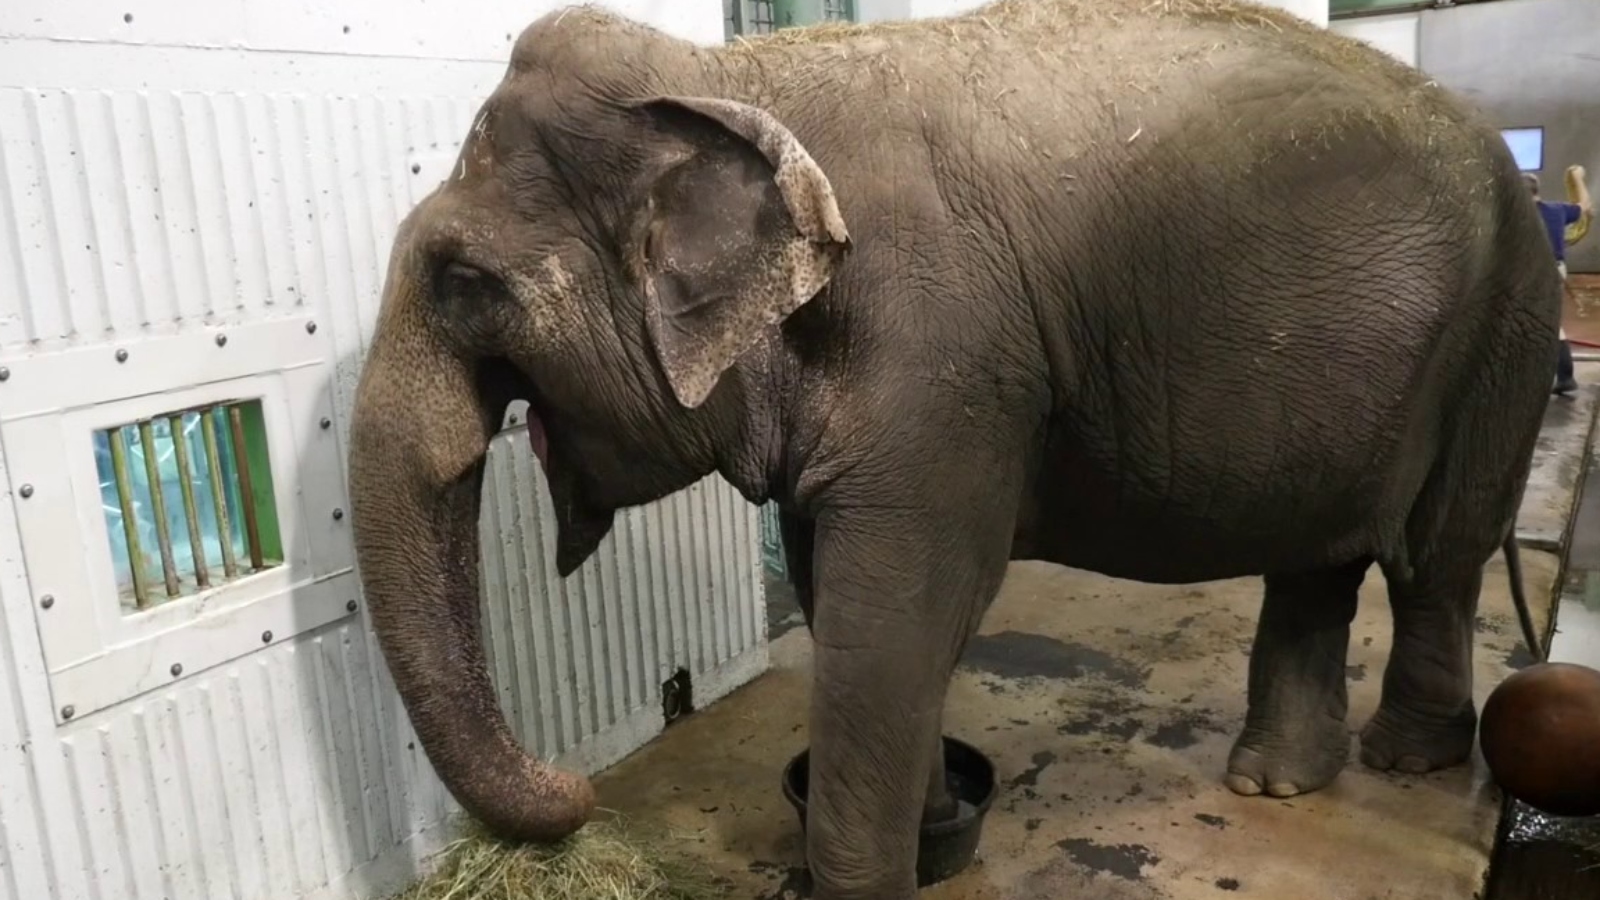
(130, 529)
(247, 497)
(208, 431)
(191, 514)
(255, 442)
(158, 507)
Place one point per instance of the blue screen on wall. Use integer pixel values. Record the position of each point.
(1527, 145)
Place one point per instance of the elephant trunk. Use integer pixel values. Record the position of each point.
(419, 438)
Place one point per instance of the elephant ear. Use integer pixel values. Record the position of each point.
(740, 229)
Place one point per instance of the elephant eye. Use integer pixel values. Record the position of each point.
(462, 287)
(459, 274)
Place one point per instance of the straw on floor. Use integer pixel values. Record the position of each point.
(607, 860)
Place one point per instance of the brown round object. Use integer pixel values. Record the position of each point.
(1540, 734)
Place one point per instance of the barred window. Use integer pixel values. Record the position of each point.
(747, 17)
(188, 501)
(1337, 8)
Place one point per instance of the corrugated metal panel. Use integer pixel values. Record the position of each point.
(675, 585)
(131, 211)
(263, 779)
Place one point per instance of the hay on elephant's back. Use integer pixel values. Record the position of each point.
(607, 860)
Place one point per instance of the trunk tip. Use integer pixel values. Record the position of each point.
(557, 804)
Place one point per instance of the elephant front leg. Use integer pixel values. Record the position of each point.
(799, 536)
(897, 597)
(874, 721)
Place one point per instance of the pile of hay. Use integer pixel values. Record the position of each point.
(606, 860)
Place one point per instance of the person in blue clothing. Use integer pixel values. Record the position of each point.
(1557, 216)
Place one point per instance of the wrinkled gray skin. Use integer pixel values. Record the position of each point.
(1172, 296)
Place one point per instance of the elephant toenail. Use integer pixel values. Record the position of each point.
(1243, 785)
(1283, 789)
(1412, 765)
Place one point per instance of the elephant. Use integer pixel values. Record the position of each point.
(1172, 291)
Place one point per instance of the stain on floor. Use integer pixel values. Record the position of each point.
(1017, 655)
(1127, 861)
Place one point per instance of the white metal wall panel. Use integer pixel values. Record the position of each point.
(471, 30)
(131, 213)
(150, 188)
(269, 778)
(677, 584)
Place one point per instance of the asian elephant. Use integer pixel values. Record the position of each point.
(1172, 291)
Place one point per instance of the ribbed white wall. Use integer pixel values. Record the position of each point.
(675, 584)
(150, 187)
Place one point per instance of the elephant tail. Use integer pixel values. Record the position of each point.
(1519, 597)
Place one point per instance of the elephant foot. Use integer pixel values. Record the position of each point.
(1266, 762)
(1417, 744)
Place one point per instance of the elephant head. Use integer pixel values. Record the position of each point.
(614, 238)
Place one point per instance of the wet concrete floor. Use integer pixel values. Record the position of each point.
(1580, 313)
(1109, 708)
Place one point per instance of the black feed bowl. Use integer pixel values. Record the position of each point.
(943, 848)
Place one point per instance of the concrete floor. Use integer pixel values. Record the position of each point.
(1109, 707)
(1580, 313)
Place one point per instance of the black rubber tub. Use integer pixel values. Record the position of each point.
(943, 848)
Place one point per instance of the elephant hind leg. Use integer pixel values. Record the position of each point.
(1426, 719)
(1294, 739)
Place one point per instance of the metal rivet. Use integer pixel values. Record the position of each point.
(5, 374)
(26, 491)
(338, 514)
(266, 637)
(68, 711)
(47, 601)
(325, 424)
(222, 340)
(122, 356)
(351, 606)
(311, 328)
(177, 669)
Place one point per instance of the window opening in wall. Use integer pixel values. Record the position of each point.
(1527, 147)
(761, 17)
(747, 17)
(188, 501)
(1338, 8)
(764, 16)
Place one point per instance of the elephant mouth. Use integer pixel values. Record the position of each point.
(538, 439)
(580, 523)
